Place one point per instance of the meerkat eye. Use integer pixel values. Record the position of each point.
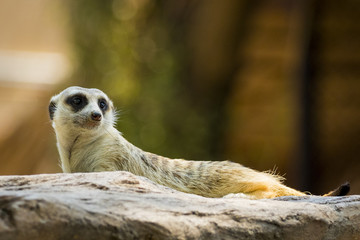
(102, 104)
(76, 100)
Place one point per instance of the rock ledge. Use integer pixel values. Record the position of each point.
(120, 205)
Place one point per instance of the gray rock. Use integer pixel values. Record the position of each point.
(120, 205)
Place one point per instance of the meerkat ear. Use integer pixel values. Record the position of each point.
(114, 111)
(112, 106)
(52, 109)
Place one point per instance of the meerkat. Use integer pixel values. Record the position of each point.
(87, 141)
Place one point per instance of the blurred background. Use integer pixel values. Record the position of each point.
(271, 84)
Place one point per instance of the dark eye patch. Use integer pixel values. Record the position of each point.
(77, 102)
(103, 105)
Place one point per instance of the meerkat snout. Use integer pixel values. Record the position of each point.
(96, 116)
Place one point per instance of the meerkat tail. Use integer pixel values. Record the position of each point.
(342, 190)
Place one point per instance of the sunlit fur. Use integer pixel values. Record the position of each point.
(85, 146)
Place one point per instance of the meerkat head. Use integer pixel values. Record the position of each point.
(84, 109)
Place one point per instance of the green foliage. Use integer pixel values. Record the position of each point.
(126, 49)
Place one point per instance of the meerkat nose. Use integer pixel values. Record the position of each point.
(96, 116)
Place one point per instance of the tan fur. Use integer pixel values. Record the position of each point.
(88, 146)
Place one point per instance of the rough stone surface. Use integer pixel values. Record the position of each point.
(120, 205)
